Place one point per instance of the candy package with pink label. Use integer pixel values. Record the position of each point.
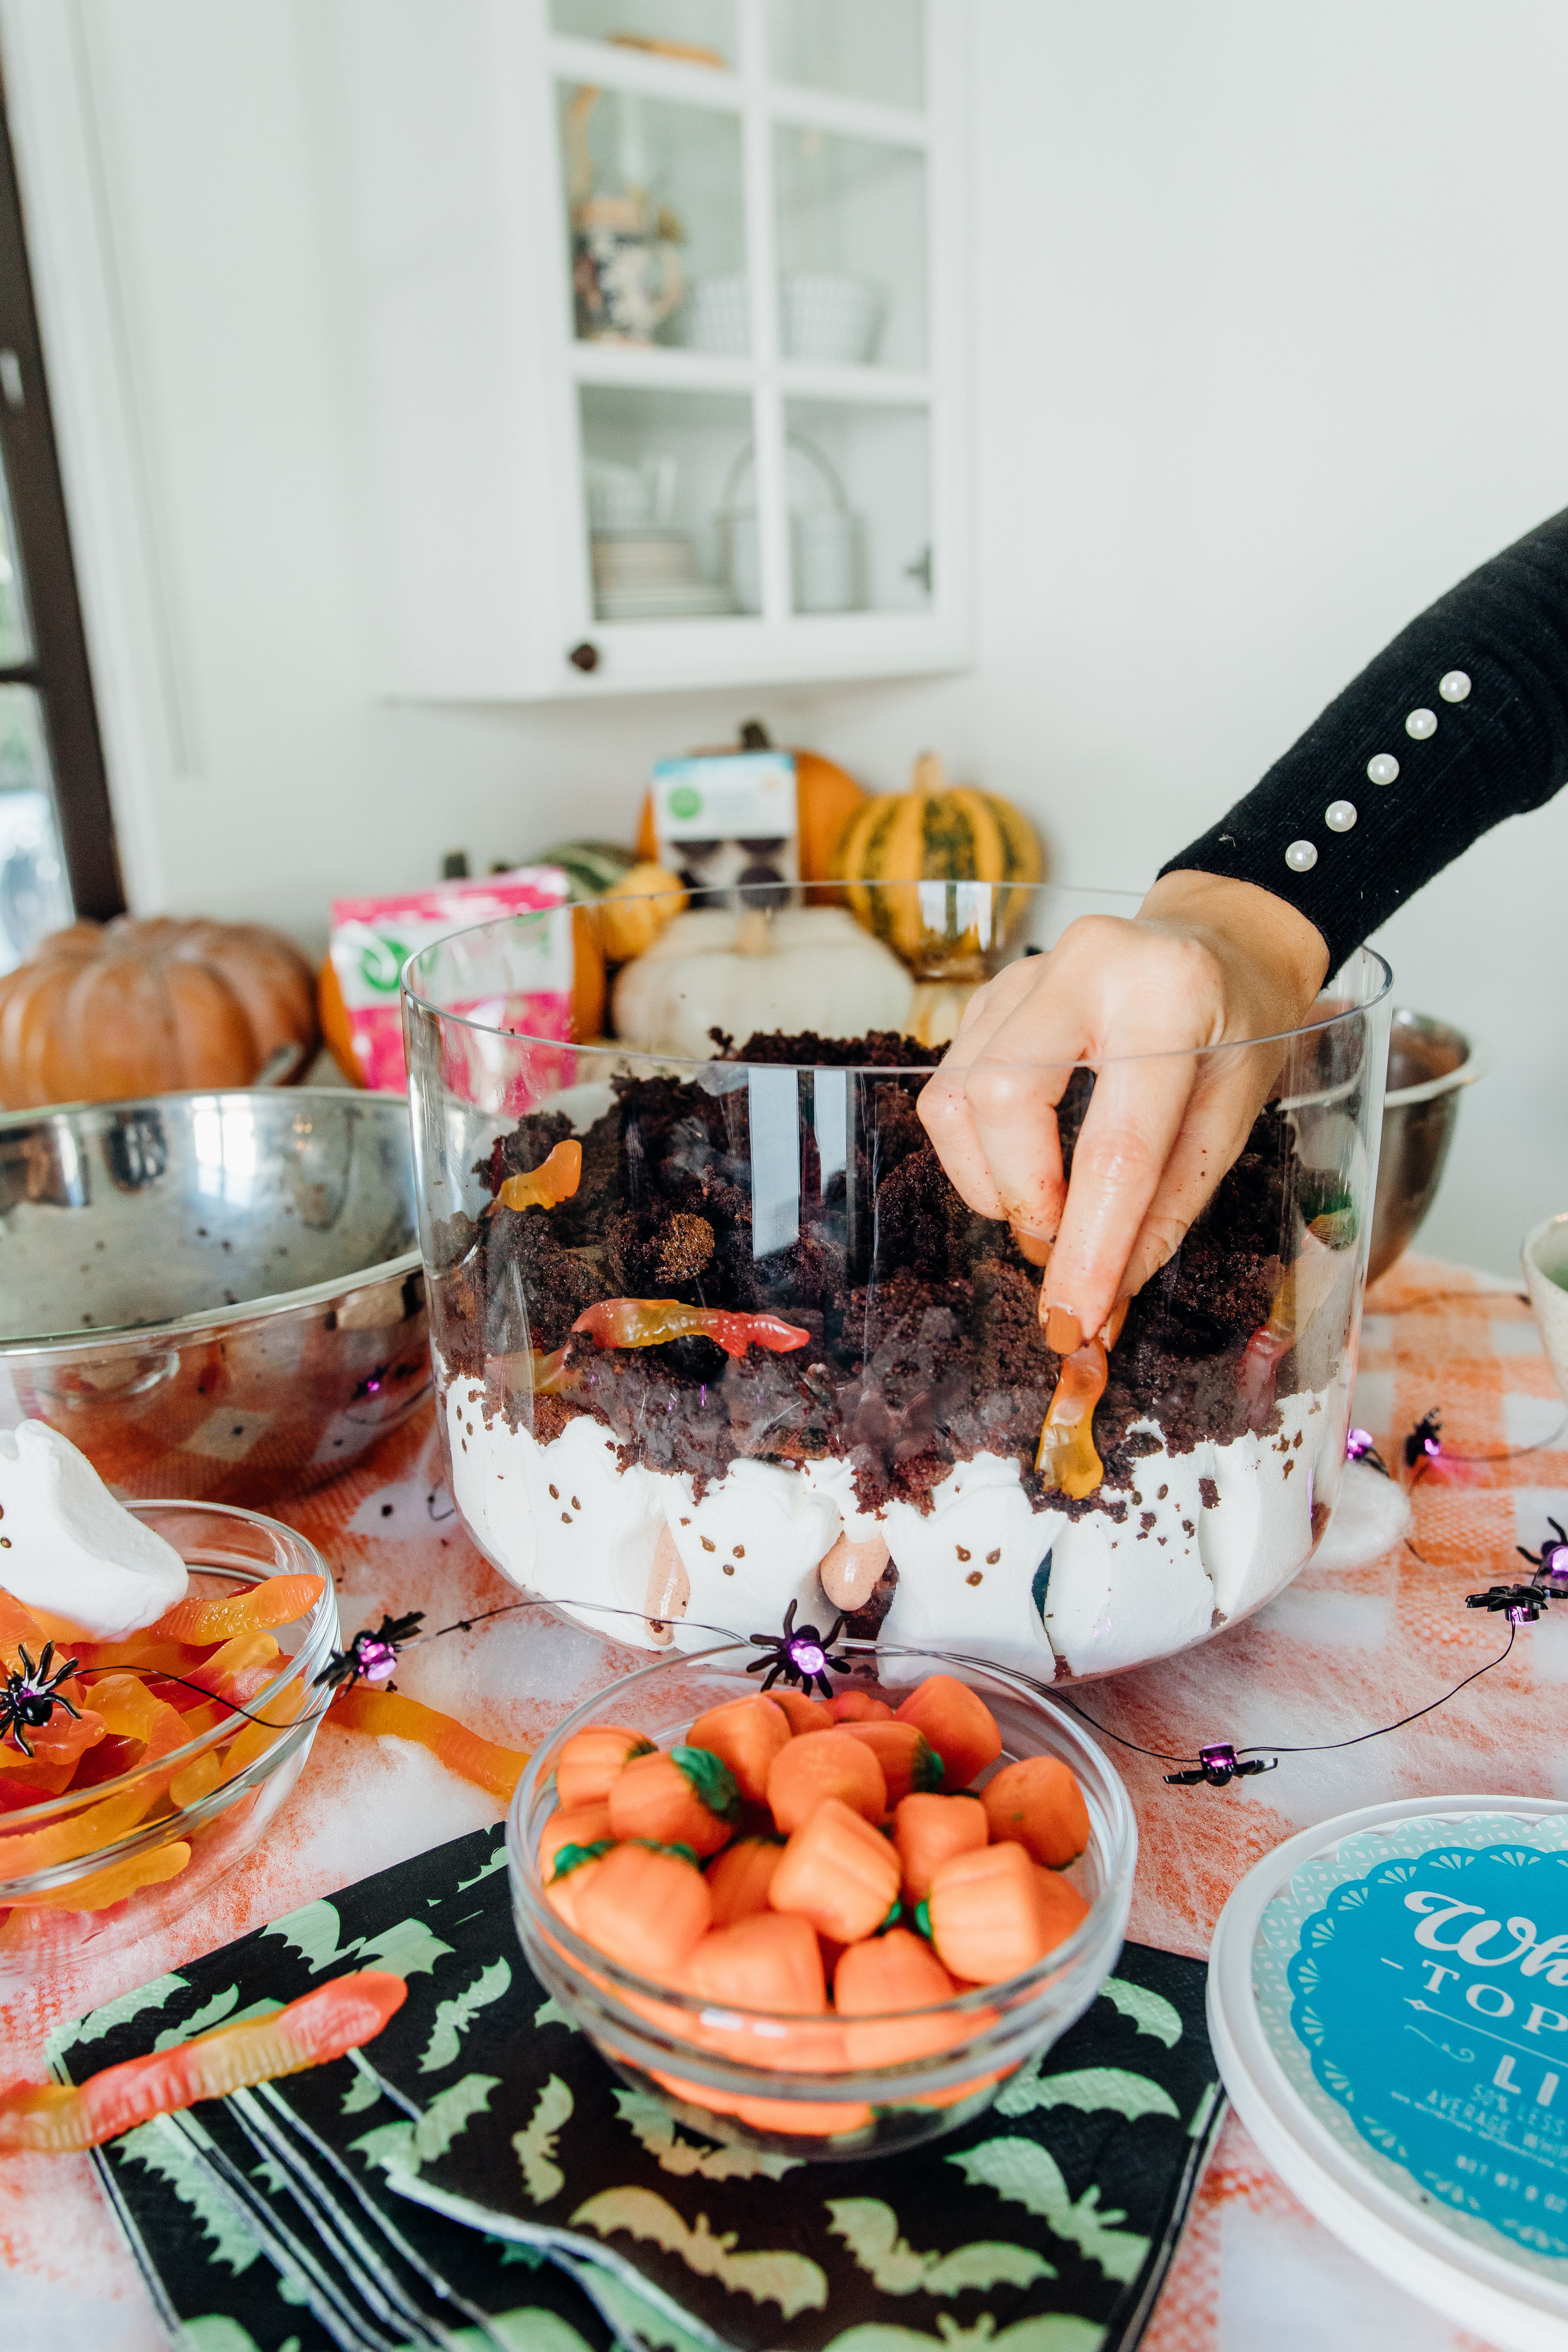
(373, 939)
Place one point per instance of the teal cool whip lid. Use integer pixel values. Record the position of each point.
(1388, 2001)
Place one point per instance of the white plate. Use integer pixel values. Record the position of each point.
(1404, 2090)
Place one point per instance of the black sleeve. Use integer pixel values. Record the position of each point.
(1461, 721)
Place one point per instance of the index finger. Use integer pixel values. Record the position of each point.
(1130, 1129)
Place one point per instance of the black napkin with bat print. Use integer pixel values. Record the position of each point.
(479, 2175)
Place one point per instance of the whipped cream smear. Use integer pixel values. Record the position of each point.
(565, 1521)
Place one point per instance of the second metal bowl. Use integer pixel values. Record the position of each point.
(213, 1294)
(1429, 1063)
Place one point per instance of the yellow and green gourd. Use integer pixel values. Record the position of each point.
(934, 832)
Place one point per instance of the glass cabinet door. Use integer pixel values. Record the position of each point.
(746, 196)
(696, 267)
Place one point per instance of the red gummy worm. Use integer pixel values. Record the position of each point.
(645, 1322)
(54, 2118)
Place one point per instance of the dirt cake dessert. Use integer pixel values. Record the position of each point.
(723, 1341)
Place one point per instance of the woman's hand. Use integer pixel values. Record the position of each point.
(1204, 962)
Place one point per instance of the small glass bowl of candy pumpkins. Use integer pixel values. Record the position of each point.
(159, 1759)
(825, 1927)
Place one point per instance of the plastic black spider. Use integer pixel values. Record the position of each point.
(371, 1657)
(1423, 1441)
(1522, 1603)
(1219, 1765)
(28, 1699)
(1551, 1562)
(801, 1657)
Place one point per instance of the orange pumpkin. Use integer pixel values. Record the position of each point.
(826, 798)
(105, 1010)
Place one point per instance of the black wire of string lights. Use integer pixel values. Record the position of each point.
(802, 1656)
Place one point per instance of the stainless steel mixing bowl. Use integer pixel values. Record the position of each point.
(217, 1295)
(1428, 1063)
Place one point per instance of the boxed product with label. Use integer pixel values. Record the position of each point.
(373, 939)
(727, 820)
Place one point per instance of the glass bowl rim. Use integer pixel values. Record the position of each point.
(1380, 983)
(977, 2005)
(320, 1622)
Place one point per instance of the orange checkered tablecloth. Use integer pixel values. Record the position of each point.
(1338, 1653)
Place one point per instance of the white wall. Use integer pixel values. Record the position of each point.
(1270, 343)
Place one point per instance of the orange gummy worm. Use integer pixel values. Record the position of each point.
(462, 1752)
(130, 1711)
(545, 1187)
(101, 1888)
(1067, 1457)
(222, 1673)
(97, 1825)
(645, 1322)
(276, 1601)
(54, 2118)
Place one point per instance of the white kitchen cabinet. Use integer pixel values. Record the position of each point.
(653, 313)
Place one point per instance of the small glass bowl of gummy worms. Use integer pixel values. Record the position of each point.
(128, 1812)
(821, 1947)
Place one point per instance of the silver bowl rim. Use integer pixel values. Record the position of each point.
(99, 1340)
(1477, 1061)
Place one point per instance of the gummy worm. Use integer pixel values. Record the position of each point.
(52, 2119)
(647, 1322)
(1266, 1350)
(1066, 1457)
(545, 1187)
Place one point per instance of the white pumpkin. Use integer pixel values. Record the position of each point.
(804, 968)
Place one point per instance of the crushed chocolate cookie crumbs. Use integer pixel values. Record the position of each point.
(926, 1347)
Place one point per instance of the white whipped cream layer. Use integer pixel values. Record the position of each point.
(565, 1521)
(67, 1546)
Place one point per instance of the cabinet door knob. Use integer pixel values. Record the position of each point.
(584, 657)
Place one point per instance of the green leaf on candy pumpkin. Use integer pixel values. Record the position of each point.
(713, 1782)
(569, 1858)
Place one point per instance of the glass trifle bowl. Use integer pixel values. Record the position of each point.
(717, 1337)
